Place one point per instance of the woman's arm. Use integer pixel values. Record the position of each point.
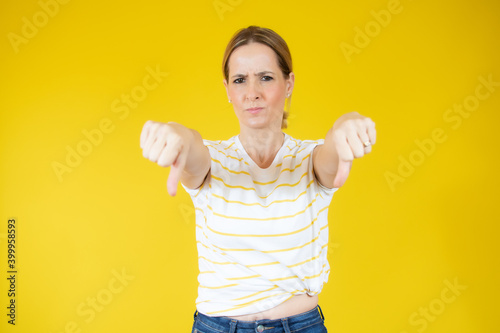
(351, 137)
(181, 148)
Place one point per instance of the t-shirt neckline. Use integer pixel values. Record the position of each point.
(247, 157)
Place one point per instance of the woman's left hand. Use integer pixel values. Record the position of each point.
(353, 136)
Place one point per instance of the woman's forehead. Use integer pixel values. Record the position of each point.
(253, 57)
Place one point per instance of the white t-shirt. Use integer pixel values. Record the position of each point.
(262, 234)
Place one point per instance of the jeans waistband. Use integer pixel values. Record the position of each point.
(222, 323)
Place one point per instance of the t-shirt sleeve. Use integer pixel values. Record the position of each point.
(195, 191)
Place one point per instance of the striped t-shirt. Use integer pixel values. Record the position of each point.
(261, 234)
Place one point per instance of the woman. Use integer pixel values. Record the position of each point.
(261, 198)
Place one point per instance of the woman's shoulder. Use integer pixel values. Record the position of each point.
(222, 148)
(220, 143)
(301, 144)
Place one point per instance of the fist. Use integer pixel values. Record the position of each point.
(353, 137)
(167, 144)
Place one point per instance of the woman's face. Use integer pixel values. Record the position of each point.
(256, 86)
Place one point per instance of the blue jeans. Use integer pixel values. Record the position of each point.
(311, 321)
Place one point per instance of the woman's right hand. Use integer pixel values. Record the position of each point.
(167, 144)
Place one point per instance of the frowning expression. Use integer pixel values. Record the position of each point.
(257, 87)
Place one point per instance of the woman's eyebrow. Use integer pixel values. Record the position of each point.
(256, 74)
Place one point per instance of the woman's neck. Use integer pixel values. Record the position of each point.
(262, 145)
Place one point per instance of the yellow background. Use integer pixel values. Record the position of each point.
(392, 246)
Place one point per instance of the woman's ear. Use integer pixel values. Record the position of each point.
(290, 82)
(227, 90)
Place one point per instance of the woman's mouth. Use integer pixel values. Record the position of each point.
(254, 110)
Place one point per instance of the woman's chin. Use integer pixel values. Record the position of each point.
(259, 122)
(256, 124)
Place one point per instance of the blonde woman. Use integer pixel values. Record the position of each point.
(261, 197)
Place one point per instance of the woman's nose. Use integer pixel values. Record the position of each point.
(253, 90)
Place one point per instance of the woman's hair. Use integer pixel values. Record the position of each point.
(255, 34)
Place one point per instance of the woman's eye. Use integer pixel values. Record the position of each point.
(239, 80)
(267, 78)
